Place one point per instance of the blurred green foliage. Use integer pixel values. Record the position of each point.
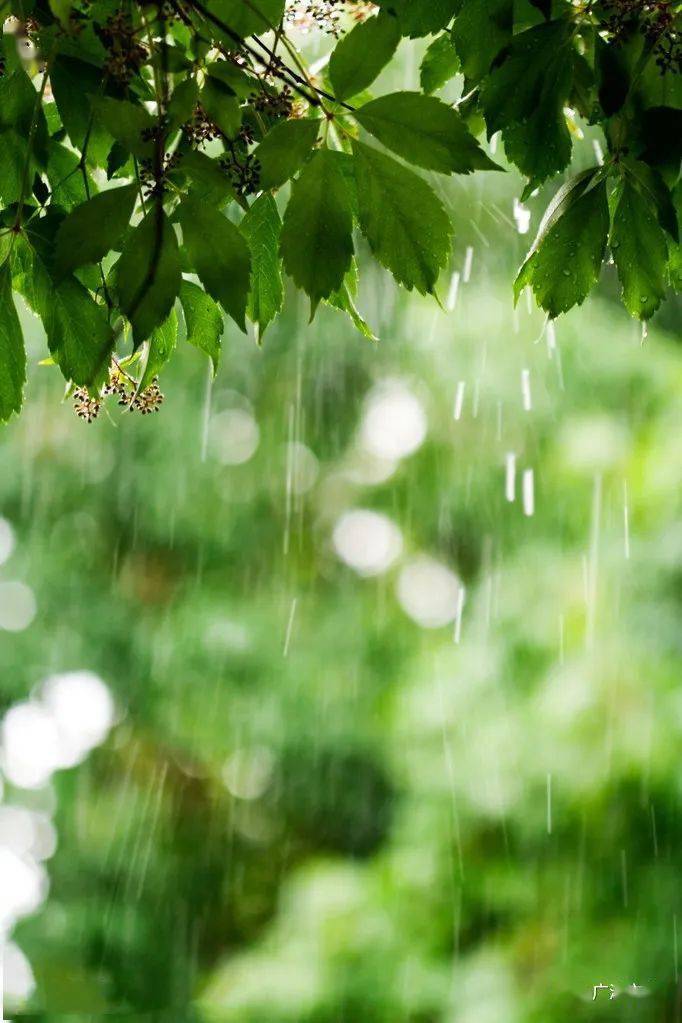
(425, 831)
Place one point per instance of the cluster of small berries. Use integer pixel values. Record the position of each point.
(657, 21)
(126, 53)
(278, 105)
(154, 183)
(88, 407)
(200, 128)
(242, 168)
(316, 15)
(326, 15)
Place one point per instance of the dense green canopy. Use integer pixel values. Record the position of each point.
(144, 144)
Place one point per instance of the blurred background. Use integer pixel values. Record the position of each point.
(347, 688)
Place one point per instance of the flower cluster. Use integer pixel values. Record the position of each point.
(122, 387)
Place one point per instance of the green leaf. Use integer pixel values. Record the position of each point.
(18, 99)
(639, 251)
(284, 149)
(66, 178)
(79, 335)
(241, 83)
(245, 19)
(12, 354)
(541, 146)
(344, 301)
(126, 122)
(566, 258)
(148, 274)
(440, 63)
(262, 227)
(675, 248)
(73, 84)
(208, 181)
(219, 254)
(655, 191)
(421, 17)
(158, 349)
(403, 219)
(360, 56)
(22, 112)
(524, 97)
(62, 11)
(182, 103)
(222, 106)
(317, 242)
(204, 321)
(93, 228)
(13, 158)
(481, 29)
(425, 131)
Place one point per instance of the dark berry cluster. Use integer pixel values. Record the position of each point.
(656, 20)
(242, 168)
(201, 128)
(154, 181)
(126, 55)
(278, 105)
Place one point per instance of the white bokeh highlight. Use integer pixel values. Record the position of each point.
(429, 592)
(394, 424)
(17, 606)
(7, 540)
(367, 541)
(233, 436)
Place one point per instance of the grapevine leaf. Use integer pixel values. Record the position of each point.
(481, 29)
(360, 56)
(421, 17)
(93, 228)
(284, 149)
(204, 321)
(675, 248)
(425, 131)
(316, 241)
(66, 178)
(639, 251)
(219, 254)
(440, 63)
(262, 227)
(13, 159)
(403, 219)
(158, 349)
(148, 274)
(524, 97)
(655, 191)
(126, 122)
(79, 336)
(344, 301)
(566, 258)
(208, 182)
(12, 354)
(246, 19)
(73, 83)
(222, 106)
(182, 103)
